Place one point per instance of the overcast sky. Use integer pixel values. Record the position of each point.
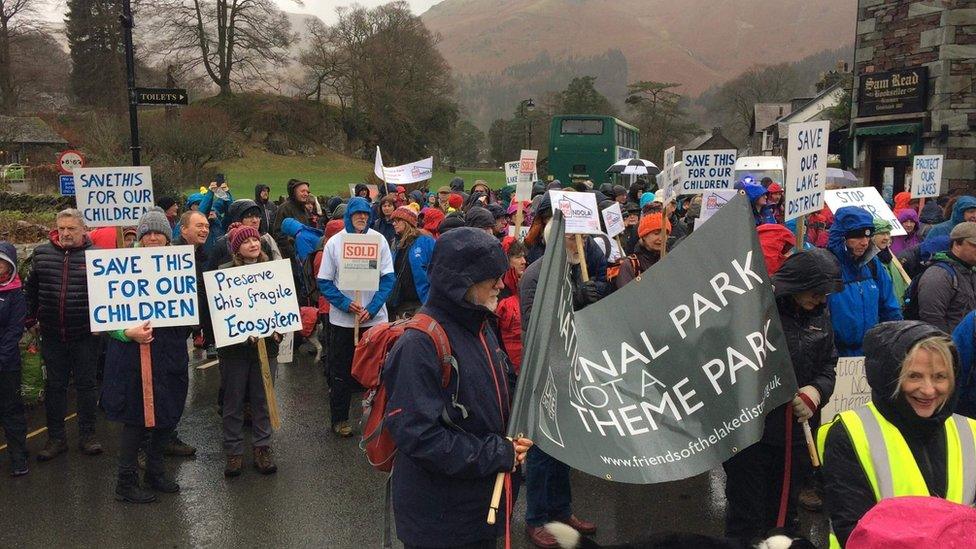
(325, 9)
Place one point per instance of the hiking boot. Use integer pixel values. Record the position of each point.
(540, 537)
(262, 460)
(584, 527)
(127, 489)
(233, 467)
(161, 482)
(342, 429)
(53, 448)
(18, 465)
(176, 447)
(810, 500)
(89, 446)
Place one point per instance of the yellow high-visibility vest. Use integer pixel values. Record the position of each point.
(888, 462)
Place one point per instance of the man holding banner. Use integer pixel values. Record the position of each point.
(57, 309)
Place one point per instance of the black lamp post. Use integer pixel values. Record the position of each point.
(527, 105)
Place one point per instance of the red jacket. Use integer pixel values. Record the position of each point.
(510, 320)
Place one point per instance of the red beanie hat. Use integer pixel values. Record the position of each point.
(405, 214)
(455, 201)
(240, 235)
(432, 220)
(651, 223)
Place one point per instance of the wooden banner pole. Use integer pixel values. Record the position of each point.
(801, 228)
(148, 405)
(355, 333)
(519, 219)
(811, 446)
(901, 269)
(269, 391)
(582, 256)
(664, 229)
(119, 238)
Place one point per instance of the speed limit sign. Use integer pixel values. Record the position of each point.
(69, 161)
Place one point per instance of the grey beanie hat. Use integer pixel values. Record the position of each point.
(154, 221)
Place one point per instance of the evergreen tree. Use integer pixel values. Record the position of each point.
(97, 53)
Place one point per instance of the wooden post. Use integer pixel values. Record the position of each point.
(269, 392)
(811, 446)
(355, 332)
(148, 406)
(519, 218)
(801, 227)
(496, 498)
(582, 255)
(623, 252)
(901, 269)
(119, 238)
(664, 229)
(921, 204)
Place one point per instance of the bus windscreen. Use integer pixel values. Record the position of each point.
(581, 127)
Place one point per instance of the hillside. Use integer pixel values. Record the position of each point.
(698, 43)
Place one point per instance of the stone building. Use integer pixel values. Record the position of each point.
(915, 64)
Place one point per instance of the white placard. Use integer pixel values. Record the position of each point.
(523, 188)
(806, 168)
(669, 165)
(113, 197)
(408, 174)
(252, 300)
(707, 171)
(927, 175)
(527, 160)
(850, 389)
(867, 198)
(579, 210)
(286, 349)
(613, 219)
(512, 172)
(129, 286)
(523, 230)
(359, 262)
(712, 202)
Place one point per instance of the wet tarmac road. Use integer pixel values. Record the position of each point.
(324, 494)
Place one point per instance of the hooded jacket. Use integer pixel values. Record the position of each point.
(809, 334)
(221, 252)
(773, 239)
(57, 290)
(848, 493)
(902, 243)
(931, 213)
(902, 201)
(339, 301)
(418, 253)
(868, 297)
(306, 239)
(944, 299)
(509, 314)
(268, 208)
(958, 210)
(443, 477)
(915, 259)
(13, 311)
(290, 208)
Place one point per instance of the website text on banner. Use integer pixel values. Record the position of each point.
(667, 377)
(129, 286)
(707, 170)
(806, 168)
(927, 175)
(867, 198)
(579, 210)
(252, 300)
(712, 202)
(113, 197)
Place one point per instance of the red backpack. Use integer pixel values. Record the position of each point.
(367, 369)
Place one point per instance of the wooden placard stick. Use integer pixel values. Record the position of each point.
(148, 405)
(269, 392)
(119, 238)
(582, 256)
(811, 446)
(901, 269)
(355, 333)
(519, 219)
(801, 228)
(664, 229)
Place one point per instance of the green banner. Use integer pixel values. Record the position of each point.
(667, 377)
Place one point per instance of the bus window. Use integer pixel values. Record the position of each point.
(581, 127)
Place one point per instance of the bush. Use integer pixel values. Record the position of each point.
(43, 178)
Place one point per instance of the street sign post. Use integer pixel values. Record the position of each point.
(161, 96)
(69, 161)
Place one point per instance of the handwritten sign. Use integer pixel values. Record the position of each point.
(927, 175)
(113, 197)
(131, 285)
(359, 262)
(806, 168)
(707, 171)
(613, 219)
(850, 389)
(252, 300)
(867, 198)
(669, 165)
(579, 210)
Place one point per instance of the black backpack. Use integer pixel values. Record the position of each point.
(910, 309)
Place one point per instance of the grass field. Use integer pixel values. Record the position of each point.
(328, 173)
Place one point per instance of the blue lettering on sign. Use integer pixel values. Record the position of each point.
(67, 185)
(124, 179)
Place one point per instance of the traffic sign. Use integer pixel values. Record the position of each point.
(69, 161)
(161, 96)
(67, 184)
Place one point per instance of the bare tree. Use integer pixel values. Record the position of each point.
(232, 41)
(16, 17)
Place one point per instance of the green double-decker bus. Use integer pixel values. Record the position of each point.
(583, 146)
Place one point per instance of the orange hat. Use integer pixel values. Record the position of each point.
(651, 223)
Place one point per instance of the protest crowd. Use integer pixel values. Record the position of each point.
(464, 268)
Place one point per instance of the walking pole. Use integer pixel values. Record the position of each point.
(269, 392)
(496, 498)
(582, 255)
(355, 332)
(148, 406)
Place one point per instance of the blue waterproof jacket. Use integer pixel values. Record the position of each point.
(420, 252)
(964, 336)
(306, 238)
(443, 476)
(868, 297)
(958, 209)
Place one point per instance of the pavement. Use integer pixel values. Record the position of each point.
(324, 494)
